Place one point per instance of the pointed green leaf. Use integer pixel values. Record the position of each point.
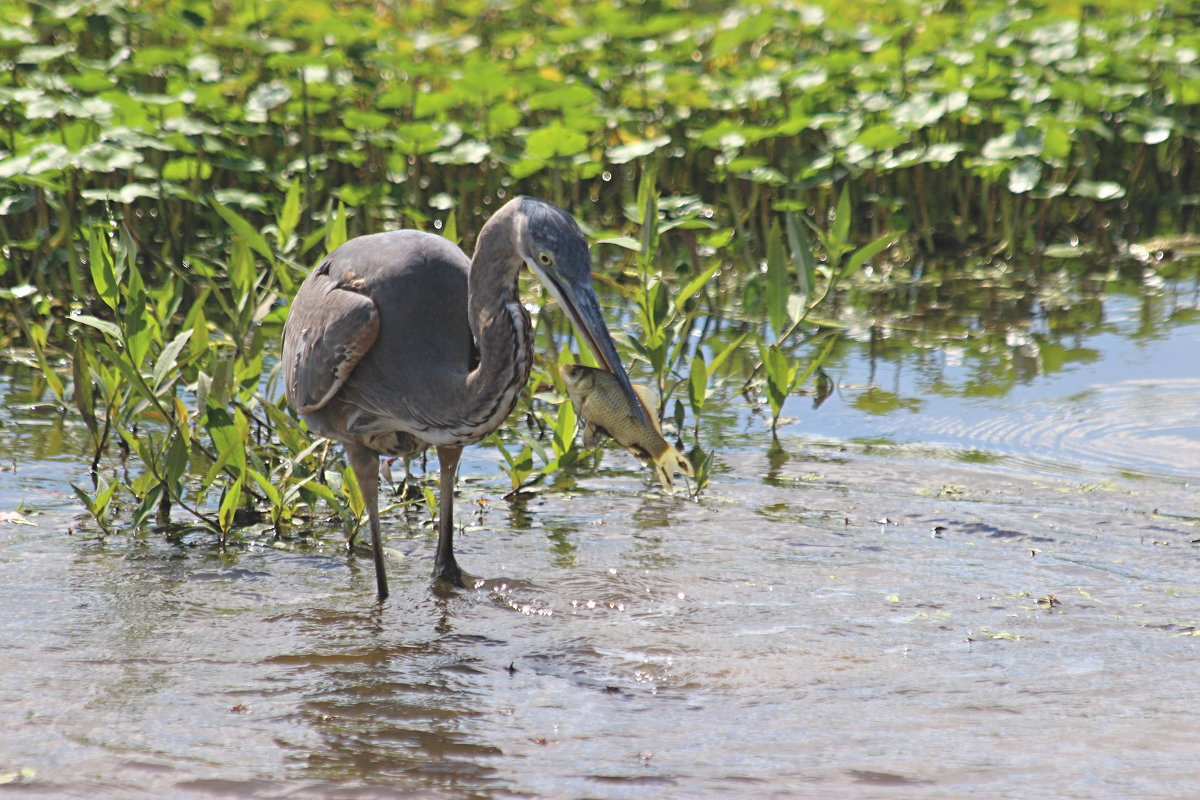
(695, 284)
(244, 229)
(110, 329)
(289, 215)
(167, 358)
(698, 384)
(229, 505)
(868, 251)
(778, 286)
(721, 357)
(100, 261)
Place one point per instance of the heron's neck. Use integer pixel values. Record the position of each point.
(500, 324)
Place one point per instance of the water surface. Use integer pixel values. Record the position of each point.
(959, 593)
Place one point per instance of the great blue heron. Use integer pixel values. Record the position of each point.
(398, 342)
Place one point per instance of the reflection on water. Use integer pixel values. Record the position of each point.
(988, 593)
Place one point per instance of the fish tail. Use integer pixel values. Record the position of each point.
(668, 462)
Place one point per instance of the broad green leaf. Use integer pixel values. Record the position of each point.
(1024, 175)
(554, 140)
(624, 153)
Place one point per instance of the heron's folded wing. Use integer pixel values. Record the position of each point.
(330, 327)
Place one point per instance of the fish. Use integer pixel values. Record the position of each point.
(606, 411)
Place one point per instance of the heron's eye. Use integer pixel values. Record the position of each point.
(544, 257)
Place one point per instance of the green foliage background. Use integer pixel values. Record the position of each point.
(170, 169)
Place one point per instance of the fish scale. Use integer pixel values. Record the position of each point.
(606, 411)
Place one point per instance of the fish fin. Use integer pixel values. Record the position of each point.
(593, 435)
(650, 401)
(668, 462)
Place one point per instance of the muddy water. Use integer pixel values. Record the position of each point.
(989, 595)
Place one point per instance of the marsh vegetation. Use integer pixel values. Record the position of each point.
(758, 180)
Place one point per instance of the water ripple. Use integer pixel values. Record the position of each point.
(1137, 427)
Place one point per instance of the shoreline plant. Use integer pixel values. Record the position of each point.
(169, 171)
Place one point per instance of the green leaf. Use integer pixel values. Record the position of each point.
(167, 358)
(781, 375)
(100, 260)
(698, 384)
(778, 286)
(564, 435)
(268, 488)
(554, 140)
(839, 231)
(816, 363)
(37, 336)
(229, 504)
(1024, 175)
(624, 153)
(81, 377)
(289, 215)
(353, 493)
(335, 231)
(722, 356)
(882, 137)
(1098, 190)
(870, 250)
(137, 321)
(647, 200)
(110, 329)
(695, 284)
(627, 242)
(244, 229)
(802, 255)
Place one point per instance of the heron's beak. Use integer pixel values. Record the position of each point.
(583, 309)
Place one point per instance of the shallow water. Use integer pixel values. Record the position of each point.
(994, 595)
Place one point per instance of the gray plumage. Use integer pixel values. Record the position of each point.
(398, 342)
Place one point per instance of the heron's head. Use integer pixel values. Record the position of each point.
(554, 248)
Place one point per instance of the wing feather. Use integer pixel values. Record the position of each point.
(329, 329)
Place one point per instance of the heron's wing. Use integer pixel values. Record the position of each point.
(330, 327)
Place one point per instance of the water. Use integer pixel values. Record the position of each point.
(988, 594)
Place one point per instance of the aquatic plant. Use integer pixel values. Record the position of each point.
(169, 171)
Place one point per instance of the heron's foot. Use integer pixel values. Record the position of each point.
(450, 574)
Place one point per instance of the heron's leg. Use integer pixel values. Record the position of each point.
(365, 463)
(445, 568)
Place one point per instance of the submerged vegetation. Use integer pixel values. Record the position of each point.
(753, 177)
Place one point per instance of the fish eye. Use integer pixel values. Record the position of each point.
(544, 257)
